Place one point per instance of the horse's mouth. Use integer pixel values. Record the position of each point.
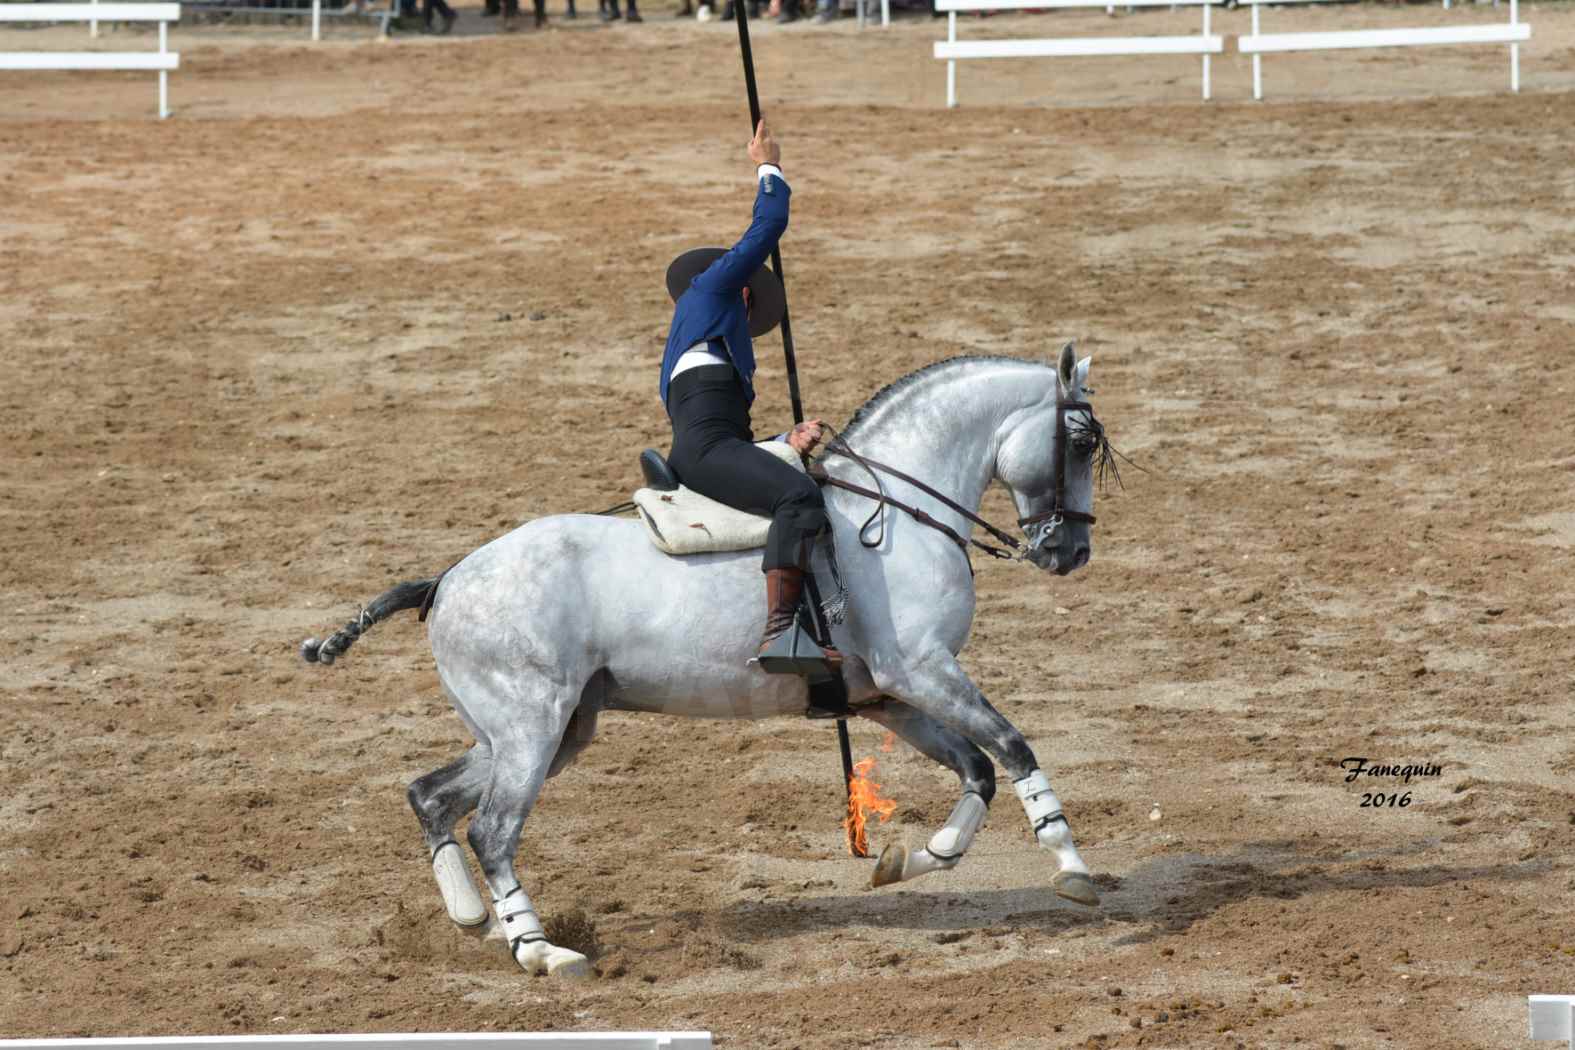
(1057, 562)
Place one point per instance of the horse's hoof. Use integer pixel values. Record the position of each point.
(1076, 887)
(570, 965)
(538, 957)
(889, 868)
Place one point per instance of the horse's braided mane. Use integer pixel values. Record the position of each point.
(1105, 454)
(889, 392)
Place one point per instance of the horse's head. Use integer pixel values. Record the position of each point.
(1048, 457)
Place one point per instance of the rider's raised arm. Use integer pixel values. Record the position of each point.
(732, 271)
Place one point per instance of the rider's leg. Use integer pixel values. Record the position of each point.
(798, 516)
(714, 454)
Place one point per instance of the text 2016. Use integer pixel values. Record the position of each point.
(1377, 800)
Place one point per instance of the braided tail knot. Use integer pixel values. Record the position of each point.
(407, 595)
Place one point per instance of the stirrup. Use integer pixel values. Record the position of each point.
(795, 652)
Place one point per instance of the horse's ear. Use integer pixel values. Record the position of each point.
(1081, 375)
(1067, 364)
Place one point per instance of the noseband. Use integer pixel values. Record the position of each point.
(1059, 511)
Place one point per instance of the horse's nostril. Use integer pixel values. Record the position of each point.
(1080, 557)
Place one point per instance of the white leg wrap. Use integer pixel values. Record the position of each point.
(464, 904)
(518, 919)
(946, 848)
(1050, 826)
(1038, 800)
(953, 840)
(529, 945)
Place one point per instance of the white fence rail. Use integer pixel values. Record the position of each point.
(953, 50)
(392, 1041)
(1553, 1018)
(163, 60)
(1514, 33)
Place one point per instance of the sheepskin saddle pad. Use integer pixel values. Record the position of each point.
(681, 521)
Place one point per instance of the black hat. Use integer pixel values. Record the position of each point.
(767, 300)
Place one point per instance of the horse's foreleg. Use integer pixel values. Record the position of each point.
(946, 847)
(440, 799)
(519, 767)
(941, 689)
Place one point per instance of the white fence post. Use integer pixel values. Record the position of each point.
(1206, 91)
(164, 74)
(1514, 50)
(951, 63)
(1552, 1018)
(1257, 59)
(93, 24)
(317, 19)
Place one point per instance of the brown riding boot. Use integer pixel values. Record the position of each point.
(784, 587)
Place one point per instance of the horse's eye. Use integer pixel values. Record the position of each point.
(1085, 446)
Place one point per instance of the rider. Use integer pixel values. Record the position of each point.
(722, 299)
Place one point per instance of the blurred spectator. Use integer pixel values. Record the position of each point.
(511, 12)
(609, 11)
(445, 12)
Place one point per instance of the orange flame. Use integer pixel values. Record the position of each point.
(864, 799)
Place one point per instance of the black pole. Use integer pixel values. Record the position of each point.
(776, 253)
(823, 635)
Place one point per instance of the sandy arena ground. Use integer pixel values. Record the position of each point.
(361, 307)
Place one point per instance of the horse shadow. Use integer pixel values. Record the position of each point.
(1160, 898)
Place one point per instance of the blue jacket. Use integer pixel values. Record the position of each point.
(712, 310)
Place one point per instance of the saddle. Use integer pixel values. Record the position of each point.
(681, 521)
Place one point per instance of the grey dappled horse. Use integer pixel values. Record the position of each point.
(537, 632)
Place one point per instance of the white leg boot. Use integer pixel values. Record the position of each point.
(464, 904)
(529, 945)
(1072, 880)
(946, 847)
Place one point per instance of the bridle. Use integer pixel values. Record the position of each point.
(1048, 521)
(1059, 511)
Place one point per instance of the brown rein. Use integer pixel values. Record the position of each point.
(839, 448)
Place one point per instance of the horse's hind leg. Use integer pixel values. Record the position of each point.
(521, 758)
(946, 847)
(940, 688)
(440, 799)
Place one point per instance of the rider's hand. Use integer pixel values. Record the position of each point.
(805, 436)
(763, 149)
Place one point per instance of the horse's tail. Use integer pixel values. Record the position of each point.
(408, 595)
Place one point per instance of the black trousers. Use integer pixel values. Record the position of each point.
(714, 454)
